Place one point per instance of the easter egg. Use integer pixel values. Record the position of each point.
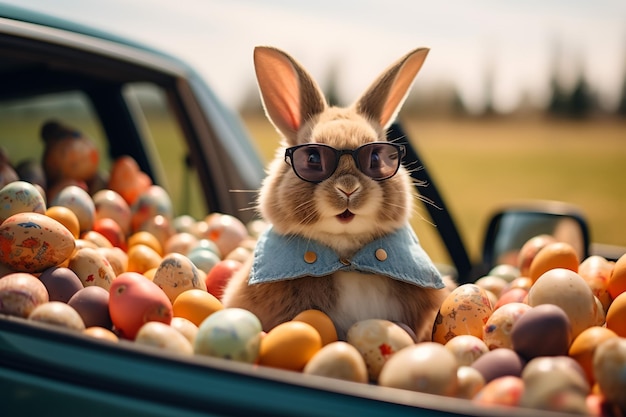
(151, 202)
(142, 258)
(61, 283)
(20, 293)
(616, 315)
(231, 333)
(226, 231)
(529, 250)
(101, 333)
(143, 237)
(159, 226)
(59, 314)
(502, 391)
(505, 271)
(33, 242)
(135, 300)
(289, 345)
(195, 305)
(92, 268)
(596, 271)
(111, 205)
(338, 360)
(466, 348)
(492, 283)
(203, 259)
(498, 363)
(127, 179)
(424, 367)
(80, 202)
(469, 382)
(117, 258)
(97, 239)
(181, 242)
(112, 231)
(464, 311)
(163, 336)
(20, 197)
(377, 340)
(617, 280)
(609, 368)
(584, 346)
(554, 255)
(218, 276)
(497, 330)
(185, 327)
(92, 304)
(322, 323)
(543, 330)
(66, 217)
(568, 290)
(176, 274)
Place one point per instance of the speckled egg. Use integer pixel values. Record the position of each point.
(466, 348)
(110, 204)
(596, 271)
(20, 197)
(424, 367)
(464, 311)
(377, 340)
(92, 268)
(33, 242)
(176, 273)
(497, 330)
(231, 333)
(80, 202)
(338, 360)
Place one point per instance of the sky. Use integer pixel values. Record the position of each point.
(518, 43)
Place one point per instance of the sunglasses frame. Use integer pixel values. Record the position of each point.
(289, 152)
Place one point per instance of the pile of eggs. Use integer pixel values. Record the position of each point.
(547, 334)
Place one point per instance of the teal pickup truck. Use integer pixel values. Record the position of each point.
(129, 95)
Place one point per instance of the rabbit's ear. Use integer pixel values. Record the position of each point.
(290, 96)
(383, 99)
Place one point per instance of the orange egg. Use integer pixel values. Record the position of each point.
(584, 346)
(290, 345)
(322, 323)
(617, 280)
(551, 256)
(111, 230)
(145, 238)
(141, 258)
(66, 217)
(529, 250)
(196, 305)
(616, 315)
(101, 333)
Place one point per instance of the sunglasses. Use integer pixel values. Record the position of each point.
(315, 162)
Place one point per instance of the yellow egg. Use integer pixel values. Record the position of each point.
(141, 258)
(196, 305)
(554, 255)
(145, 238)
(464, 311)
(66, 217)
(322, 323)
(290, 345)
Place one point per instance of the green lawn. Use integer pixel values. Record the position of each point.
(480, 164)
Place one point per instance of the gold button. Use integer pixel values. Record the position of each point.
(345, 261)
(381, 254)
(310, 257)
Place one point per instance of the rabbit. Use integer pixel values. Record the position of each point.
(330, 230)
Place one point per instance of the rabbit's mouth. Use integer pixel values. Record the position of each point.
(346, 216)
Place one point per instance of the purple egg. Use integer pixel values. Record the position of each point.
(61, 283)
(498, 363)
(92, 303)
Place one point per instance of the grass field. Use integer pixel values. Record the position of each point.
(480, 164)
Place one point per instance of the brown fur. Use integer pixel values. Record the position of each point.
(296, 107)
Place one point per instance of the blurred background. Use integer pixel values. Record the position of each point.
(517, 99)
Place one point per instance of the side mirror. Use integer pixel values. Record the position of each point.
(511, 226)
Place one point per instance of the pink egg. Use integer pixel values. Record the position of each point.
(110, 204)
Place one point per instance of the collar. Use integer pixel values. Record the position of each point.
(397, 255)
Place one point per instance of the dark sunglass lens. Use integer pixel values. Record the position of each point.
(379, 160)
(313, 162)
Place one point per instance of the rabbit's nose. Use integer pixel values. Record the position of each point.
(348, 191)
